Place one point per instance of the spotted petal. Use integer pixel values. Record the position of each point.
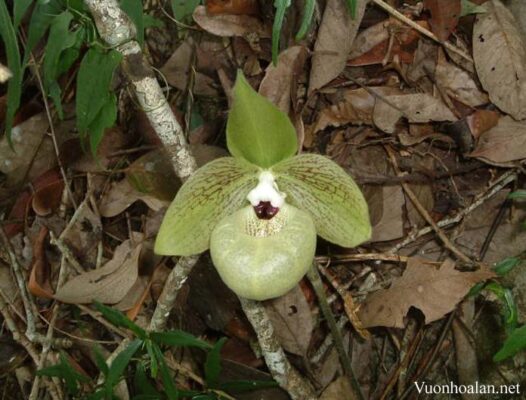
(319, 186)
(216, 190)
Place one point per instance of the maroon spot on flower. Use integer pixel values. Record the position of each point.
(264, 210)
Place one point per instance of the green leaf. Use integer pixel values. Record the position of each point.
(216, 190)
(14, 85)
(134, 10)
(182, 9)
(66, 372)
(169, 387)
(59, 39)
(100, 361)
(320, 187)
(42, 16)
(471, 8)
(518, 194)
(505, 295)
(351, 6)
(246, 386)
(256, 129)
(506, 265)
(142, 384)
(213, 363)
(281, 9)
(154, 365)
(308, 12)
(93, 84)
(119, 319)
(179, 338)
(119, 364)
(513, 344)
(105, 119)
(19, 9)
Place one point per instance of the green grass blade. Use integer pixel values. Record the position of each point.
(281, 9)
(19, 10)
(14, 85)
(308, 12)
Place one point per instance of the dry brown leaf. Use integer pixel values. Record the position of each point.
(457, 83)
(387, 210)
(107, 284)
(227, 25)
(177, 69)
(444, 16)
(502, 144)
(369, 38)
(47, 194)
(32, 150)
(499, 52)
(338, 390)
(356, 108)
(433, 291)
(292, 319)
(334, 42)
(278, 80)
(121, 195)
(417, 108)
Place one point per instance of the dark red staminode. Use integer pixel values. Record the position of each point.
(264, 210)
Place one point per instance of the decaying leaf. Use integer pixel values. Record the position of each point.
(417, 107)
(433, 291)
(227, 25)
(292, 319)
(107, 284)
(499, 52)
(502, 144)
(333, 44)
(278, 80)
(458, 84)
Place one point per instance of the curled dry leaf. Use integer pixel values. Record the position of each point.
(108, 284)
(228, 25)
(334, 42)
(48, 189)
(417, 108)
(292, 319)
(502, 144)
(39, 280)
(499, 52)
(433, 291)
(278, 80)
(387, 212)
(457, 83)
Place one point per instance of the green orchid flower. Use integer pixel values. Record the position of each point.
(259, 212)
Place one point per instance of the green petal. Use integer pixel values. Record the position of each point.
(216, 190)
(319, 186)
(257, 130)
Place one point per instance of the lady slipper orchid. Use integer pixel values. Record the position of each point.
(259, 211)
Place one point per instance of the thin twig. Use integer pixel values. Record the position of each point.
(421, 209)
(495, 187)
(317, 284)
